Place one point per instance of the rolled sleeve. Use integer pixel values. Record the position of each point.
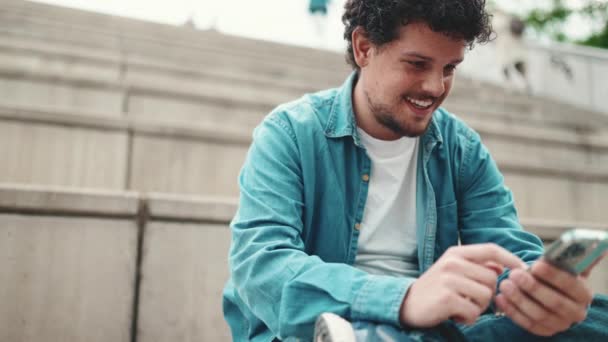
(380, 299)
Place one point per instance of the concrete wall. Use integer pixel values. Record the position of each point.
(69, 260)
(67, 264)
(37, 153)
(555, 173)
(184, 271)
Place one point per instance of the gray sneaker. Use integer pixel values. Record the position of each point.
(333, 328)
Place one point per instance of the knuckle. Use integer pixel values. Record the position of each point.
(451, 264)
(544, 271)
(532, 285)
(536, 316)
(451, 251)
(448, 297)
(472, 313)
(486, 294)
(492, 249)
(526, 324)
(445, 278)
(555, 305)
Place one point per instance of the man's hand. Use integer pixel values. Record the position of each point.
(460, 285)
(545, 300)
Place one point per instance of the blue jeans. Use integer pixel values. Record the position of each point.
(490, 328)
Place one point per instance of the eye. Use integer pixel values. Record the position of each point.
(449, 69)
(418, 64)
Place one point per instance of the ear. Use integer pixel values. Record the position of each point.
(362, 47)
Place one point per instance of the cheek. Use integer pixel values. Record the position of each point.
(447, 84)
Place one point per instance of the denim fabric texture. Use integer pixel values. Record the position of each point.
(490, 328)
(302, 196)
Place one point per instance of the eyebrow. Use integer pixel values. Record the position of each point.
(427, 58)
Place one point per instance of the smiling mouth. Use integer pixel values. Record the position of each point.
(420, 104)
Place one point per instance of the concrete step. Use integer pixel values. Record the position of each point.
(70, 149)
(92, 253)
(37, 56)
(204, 58)
(122, 25)
(196, 90)
(109, 257)
(484, 91)
(151, 42)
(33, 74)
(144, 29)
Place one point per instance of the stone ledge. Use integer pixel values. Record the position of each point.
(91, 119)
(61, 201)
(540, 134)
(220, 134)
(186, 92)
(144, 44)
(136, 61)
(169, 207)
(205, 92)
(132, 89)
(128, 28)
(181, 208)
(50, 200)
(97, 121)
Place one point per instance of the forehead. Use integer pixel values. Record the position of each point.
(418, 38)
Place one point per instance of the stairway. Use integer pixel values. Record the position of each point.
(161, 117)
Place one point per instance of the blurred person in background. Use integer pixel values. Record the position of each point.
(376, 213)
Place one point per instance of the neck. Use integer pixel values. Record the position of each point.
(365, 117)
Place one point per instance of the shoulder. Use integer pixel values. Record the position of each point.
(453, 129)
(308, 113)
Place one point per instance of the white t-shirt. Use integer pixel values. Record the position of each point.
(387, 242)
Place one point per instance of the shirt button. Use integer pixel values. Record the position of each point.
(365, 177)
(358, 226)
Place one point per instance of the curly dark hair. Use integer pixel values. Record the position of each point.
(382, 19)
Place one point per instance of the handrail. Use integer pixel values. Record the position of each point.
(560, 72)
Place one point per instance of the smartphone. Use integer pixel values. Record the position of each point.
(577, 249)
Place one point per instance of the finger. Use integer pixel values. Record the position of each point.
(530, 308)
(568, 284)
(520, 318)
(549, 298)
(498, 269)
(480, 294)
(482, 253)
(477, 273)
(464, 310)
(585, 274)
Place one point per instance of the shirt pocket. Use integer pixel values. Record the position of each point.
(447, 228)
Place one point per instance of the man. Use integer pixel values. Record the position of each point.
(353, 202)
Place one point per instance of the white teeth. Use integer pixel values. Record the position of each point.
(420, 103)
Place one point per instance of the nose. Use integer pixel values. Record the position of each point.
(433, 85)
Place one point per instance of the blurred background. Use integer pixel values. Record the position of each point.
(123, 126)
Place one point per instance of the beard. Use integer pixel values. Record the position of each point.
(385, 116)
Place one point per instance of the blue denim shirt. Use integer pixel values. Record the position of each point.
(302, 194)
